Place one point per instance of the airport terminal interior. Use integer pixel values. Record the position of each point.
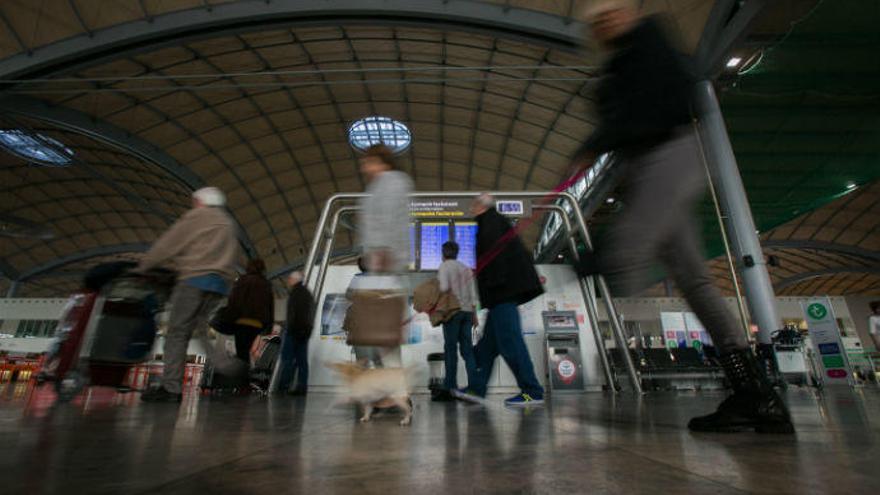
(120, 120)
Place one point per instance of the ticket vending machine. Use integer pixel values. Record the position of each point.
(564, 366)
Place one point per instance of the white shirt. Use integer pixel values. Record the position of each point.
(455, 275)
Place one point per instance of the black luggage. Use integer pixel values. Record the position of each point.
(261, 374)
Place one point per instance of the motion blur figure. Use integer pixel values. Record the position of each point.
(506, 278)
(384, 213)
(383, 226)
(644, 117)
(203, 247)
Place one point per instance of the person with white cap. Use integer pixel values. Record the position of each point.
(643, 104)
(203, 247)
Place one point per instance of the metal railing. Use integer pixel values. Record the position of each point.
(315, 269)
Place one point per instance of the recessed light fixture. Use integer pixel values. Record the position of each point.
(851, 185)
(610, 200)
(734, 62)
(376, 129)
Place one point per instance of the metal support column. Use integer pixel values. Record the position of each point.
(740, 225)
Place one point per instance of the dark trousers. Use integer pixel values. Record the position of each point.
(244, 340)
(663, 187)
(294, 359)
(503, 336)
(457, 337)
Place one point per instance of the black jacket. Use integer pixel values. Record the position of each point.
(300, 312)
(251, 297)
(510, 277)
(644, 95)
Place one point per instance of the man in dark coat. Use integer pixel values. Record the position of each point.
(295, 342)
(506, 278)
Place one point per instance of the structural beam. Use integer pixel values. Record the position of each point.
(300, 262)
(82, 256)
(822, 246)
(178, 27)
(801, 277)
(715, 44)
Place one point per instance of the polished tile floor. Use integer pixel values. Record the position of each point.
(109, 443)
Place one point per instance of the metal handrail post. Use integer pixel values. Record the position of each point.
(616, 326)
(325, 260)
(313, 249)
(589, 299)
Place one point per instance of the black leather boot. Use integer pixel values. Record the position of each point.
(754, 403)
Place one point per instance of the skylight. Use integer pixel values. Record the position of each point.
(35, 148)
(376, 129)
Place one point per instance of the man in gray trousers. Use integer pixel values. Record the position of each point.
(644, 117)
(203, 246)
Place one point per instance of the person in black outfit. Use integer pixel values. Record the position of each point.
(295, 341)
(644, 117)
(506, 278)
(251, 307)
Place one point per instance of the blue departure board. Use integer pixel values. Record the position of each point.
(434, 234)
(466, 237)
(412, 246)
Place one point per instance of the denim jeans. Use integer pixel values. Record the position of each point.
(457, 337)
(503, 336)
(294, 358)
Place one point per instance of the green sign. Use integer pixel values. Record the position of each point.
(816, 311)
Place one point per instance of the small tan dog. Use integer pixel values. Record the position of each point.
(381, 387)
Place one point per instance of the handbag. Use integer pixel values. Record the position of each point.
(376, 314)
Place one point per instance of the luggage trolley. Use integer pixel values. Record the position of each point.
(564, 368)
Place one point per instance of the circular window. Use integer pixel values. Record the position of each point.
(379, 130)
(35, 148)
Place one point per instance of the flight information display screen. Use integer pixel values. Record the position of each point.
(434, 234)
(466, 237)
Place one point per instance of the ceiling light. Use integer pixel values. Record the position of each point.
(376, 129)
(734, 62)
(851, 185)
(610, 200)
(35, 148)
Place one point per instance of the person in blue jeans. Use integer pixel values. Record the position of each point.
(456, 277)
(295, 341)
(506, 278)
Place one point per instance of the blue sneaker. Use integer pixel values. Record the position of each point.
(524, 400)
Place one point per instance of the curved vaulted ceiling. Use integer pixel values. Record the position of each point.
(157, 97)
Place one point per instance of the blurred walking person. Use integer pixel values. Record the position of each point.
(506, 278)
(295, 341)
(644, 117)
(203, 247)
(383, 232)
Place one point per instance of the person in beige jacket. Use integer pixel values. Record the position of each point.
(202, 245)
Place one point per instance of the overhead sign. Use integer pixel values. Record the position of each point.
(460, 207)
(826, 341)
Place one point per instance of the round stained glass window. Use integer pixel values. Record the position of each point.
(35, 148)
(379, 130)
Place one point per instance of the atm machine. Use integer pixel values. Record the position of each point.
(564, 366)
